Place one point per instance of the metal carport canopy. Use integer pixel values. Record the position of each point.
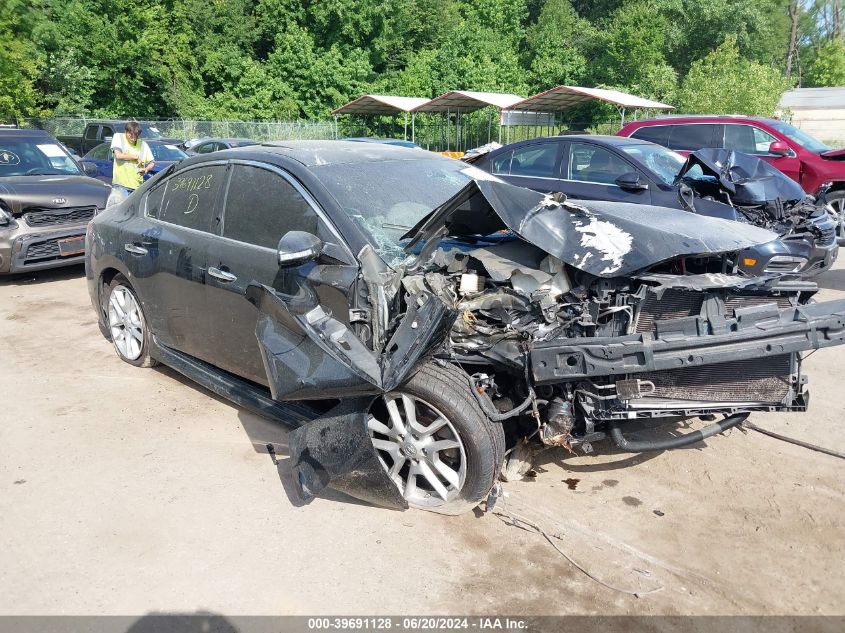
(564, 97)
(468, 101)
(380, 104)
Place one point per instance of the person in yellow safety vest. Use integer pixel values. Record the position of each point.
(132, 158)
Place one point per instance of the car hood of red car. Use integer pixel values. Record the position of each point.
(834, 154)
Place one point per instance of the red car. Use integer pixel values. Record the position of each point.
(806, 160)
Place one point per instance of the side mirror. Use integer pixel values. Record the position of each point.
(90, 169)
(299, 247)
(631, 180)
(779, 148)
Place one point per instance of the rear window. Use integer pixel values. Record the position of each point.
(690, 137)
(654, 134)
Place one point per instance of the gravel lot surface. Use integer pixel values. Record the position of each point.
(130, 491)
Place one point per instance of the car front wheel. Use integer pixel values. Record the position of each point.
(435, 442)
(127, 326)
(836, 207)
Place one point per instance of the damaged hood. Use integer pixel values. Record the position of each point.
(749, 180)
(606, 239)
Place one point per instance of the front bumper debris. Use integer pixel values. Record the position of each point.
(756, 332)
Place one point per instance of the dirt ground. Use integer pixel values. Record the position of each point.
(128, 491)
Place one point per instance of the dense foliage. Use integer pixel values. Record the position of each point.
(281, 59)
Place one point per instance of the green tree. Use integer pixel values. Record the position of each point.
(555, 44)
(828, 65)
(19, 63)
(724, 82)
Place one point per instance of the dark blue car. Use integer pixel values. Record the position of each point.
(164, 153)
(619, 169)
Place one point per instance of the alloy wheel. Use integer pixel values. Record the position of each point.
(126, 323)
(836, 208)
(419, 448)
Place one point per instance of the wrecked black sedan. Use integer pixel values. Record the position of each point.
(413, 315)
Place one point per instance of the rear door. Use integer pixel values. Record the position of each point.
(589, 172)
(261, 204)
(165, 249)
(686, 138)
(535, 166)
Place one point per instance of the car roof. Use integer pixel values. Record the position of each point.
(616, 141)
(321, 153)
(23, 133)
(675, 119)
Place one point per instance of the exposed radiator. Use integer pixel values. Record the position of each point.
(675, 304)
(754, 380)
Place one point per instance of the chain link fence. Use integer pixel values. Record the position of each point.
(434, 132)
(187, 129)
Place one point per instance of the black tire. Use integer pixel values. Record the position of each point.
(836, 200)
(143, 359)
(447, 388)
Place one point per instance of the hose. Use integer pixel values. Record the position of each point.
(490, 411)
(644, 446)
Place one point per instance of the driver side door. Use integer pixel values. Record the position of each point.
(261, 204)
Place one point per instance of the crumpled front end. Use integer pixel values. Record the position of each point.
(569, 321)
(765, 197)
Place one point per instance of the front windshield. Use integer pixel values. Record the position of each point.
(165, 151)
(664, 163)
(387, 198)
(802, 138)
(35, 156)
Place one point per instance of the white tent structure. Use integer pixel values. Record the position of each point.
(463, 102)
(562, 98)
(377, 105)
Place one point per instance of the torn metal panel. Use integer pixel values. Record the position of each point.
(420, 332)
(606, 239)
(336, 451)
(308, 353)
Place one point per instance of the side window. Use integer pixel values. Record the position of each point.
(654, 134)
(91, 132)
(740, 138)
(107, 133)
(189, 197)
(502, 164)
(154, 199)
(591, 163)
(535, 160)
(762, 141)
(205, 148)
(692, 137)
(101, 152)
(261, 206)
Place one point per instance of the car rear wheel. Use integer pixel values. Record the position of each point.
(127, 325)
(435, 442)
(836, 204)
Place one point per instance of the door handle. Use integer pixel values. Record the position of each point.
(222, 275)
(135, 249)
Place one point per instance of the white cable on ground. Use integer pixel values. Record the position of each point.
(516, 519)
(783, 438)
